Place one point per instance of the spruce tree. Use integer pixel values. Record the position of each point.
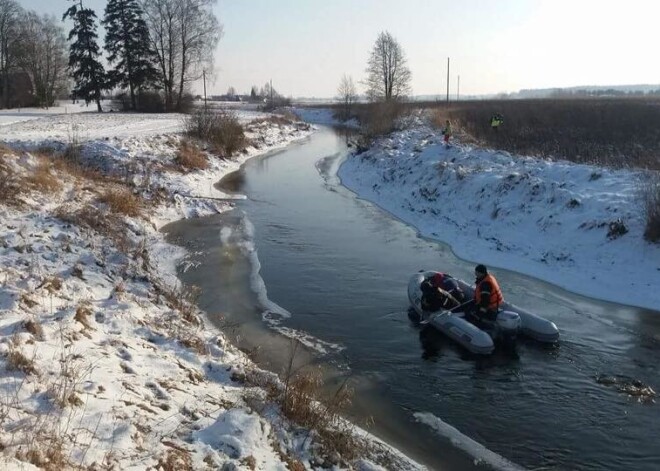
(88, 73)
(128, 46)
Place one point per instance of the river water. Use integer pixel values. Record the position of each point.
(339, 267)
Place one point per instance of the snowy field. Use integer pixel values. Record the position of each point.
(107, 364)
(577, 226)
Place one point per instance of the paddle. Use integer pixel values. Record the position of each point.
(426, 321)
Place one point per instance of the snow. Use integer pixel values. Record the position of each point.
(547, 219)
(104, 361)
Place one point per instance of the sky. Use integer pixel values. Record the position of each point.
(305, 46)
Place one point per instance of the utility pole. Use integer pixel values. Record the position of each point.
(447, 79)
(204, 75)
(458, 87)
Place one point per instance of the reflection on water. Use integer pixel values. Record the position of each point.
(341, 266)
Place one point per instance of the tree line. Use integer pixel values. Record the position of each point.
(154, 50)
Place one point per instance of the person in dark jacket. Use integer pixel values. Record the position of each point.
(448, 283)
(440, 292)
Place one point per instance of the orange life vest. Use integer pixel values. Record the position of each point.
(496, 297)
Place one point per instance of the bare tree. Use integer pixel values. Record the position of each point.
(41, 53)
(348, 95)
(388, 76)
(231, 91)
(10, 12)
(184, 34)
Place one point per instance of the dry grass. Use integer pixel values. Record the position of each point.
(378, 119)
(90, 217)
(183, 300)
(11, 187)
(83, 314)
(651, 198)
(34, 328)
(302, 402)
(44, 179)
(195, 343)
(175, 460)
(17, 361)
(607, 132)
(122, 201)
(190, 156)
(51, 456)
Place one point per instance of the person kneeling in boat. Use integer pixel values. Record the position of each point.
(487, 296)
(440, 292)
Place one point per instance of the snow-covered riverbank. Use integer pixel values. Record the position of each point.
(577, 226)
(106, 363)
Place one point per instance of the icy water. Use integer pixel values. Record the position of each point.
(340, 266)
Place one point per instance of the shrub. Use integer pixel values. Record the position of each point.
(190, 156)
(122, 201)
(221, 130)
(651, 194)
(149, 101)
(378, 119)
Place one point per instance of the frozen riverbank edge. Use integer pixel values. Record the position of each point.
(105, 365)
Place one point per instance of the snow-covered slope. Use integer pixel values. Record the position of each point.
(104, 363)
(554, 220)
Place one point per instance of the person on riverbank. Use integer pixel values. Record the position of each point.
(487, 296)
(496, 121)
(446, 131)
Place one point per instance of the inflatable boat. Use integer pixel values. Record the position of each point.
(511, 321)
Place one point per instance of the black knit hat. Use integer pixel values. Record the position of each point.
(481, 269)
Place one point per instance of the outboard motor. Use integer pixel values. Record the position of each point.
(508, 324)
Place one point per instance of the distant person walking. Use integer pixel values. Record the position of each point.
(496, 121)
(446, 131)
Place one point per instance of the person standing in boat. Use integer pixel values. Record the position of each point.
(487, 295)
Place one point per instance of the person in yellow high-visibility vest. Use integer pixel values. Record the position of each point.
(496, 121)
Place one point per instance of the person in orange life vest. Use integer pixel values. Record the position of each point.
(487, 295)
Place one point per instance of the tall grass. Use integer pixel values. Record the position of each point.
(651, 195)
(610, 132)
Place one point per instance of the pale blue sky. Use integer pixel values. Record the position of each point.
(305, 46)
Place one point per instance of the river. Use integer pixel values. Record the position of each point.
(339, 267)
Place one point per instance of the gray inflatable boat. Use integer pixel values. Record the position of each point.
(511, 321)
